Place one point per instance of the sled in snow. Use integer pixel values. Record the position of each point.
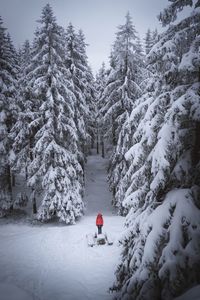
(99, 239)
(90, 240)
(109, 239)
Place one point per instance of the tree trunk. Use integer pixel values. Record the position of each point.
(92, 142)
(195, 161)
(102, 147)
(26, 172)
(114, 141)
(13, 179)
(31, 142)
(83, 168)
(97, 140)
(11, 207)
(34, 205)
(33, 199)
(9, 185)
(196, 150)
(97, 146)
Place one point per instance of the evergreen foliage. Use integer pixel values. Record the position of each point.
(50, 124)
(81, 78)
(8, 111)
(161, 245)
(151, 38)
(100, 84)
(55, 161)
(123, 87)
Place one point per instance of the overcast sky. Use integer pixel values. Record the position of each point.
(97, 18)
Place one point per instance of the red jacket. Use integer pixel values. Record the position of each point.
(99, 220)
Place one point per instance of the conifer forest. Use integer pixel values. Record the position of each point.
(124, 142)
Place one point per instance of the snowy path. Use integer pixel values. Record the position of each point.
(97, 196)
(53, 261)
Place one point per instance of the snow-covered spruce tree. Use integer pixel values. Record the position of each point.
(55, 163)
(125, 141)
(122, 84)
(29, 117)
(8, 110)
(122, 89)
(23, 131)
(101, 79)
(100, 84)
(20, 130)
(160, 257)
(89, 92)
(150, 39)
(147, 41)
(149, 85)
(76, 61)
(14, 96)
(151, 88)
(154, 37)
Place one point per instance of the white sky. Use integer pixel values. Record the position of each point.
(97, 18)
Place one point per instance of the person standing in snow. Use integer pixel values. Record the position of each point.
(99, 222)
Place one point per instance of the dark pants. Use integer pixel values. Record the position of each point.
(99, 229)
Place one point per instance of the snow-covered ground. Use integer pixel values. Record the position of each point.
(52, 261)
(192, 294)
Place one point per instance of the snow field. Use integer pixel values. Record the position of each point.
(53, 261)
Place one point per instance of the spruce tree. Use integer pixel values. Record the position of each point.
(23, 131)
(147, 41)
(54, 148)
(8, 110)
(89, 92)
(122, 89)
(20, 131)
(100, 84)
(76, 61)
(160, 257)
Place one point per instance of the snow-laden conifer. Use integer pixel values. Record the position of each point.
(20, 132)
(124, 86)
(147, 41)
(24, 130)
(8, 111)
(160, 247)
(54, 162)
(89, 92)
(100, 84)
(76, 61)
(150, 39)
